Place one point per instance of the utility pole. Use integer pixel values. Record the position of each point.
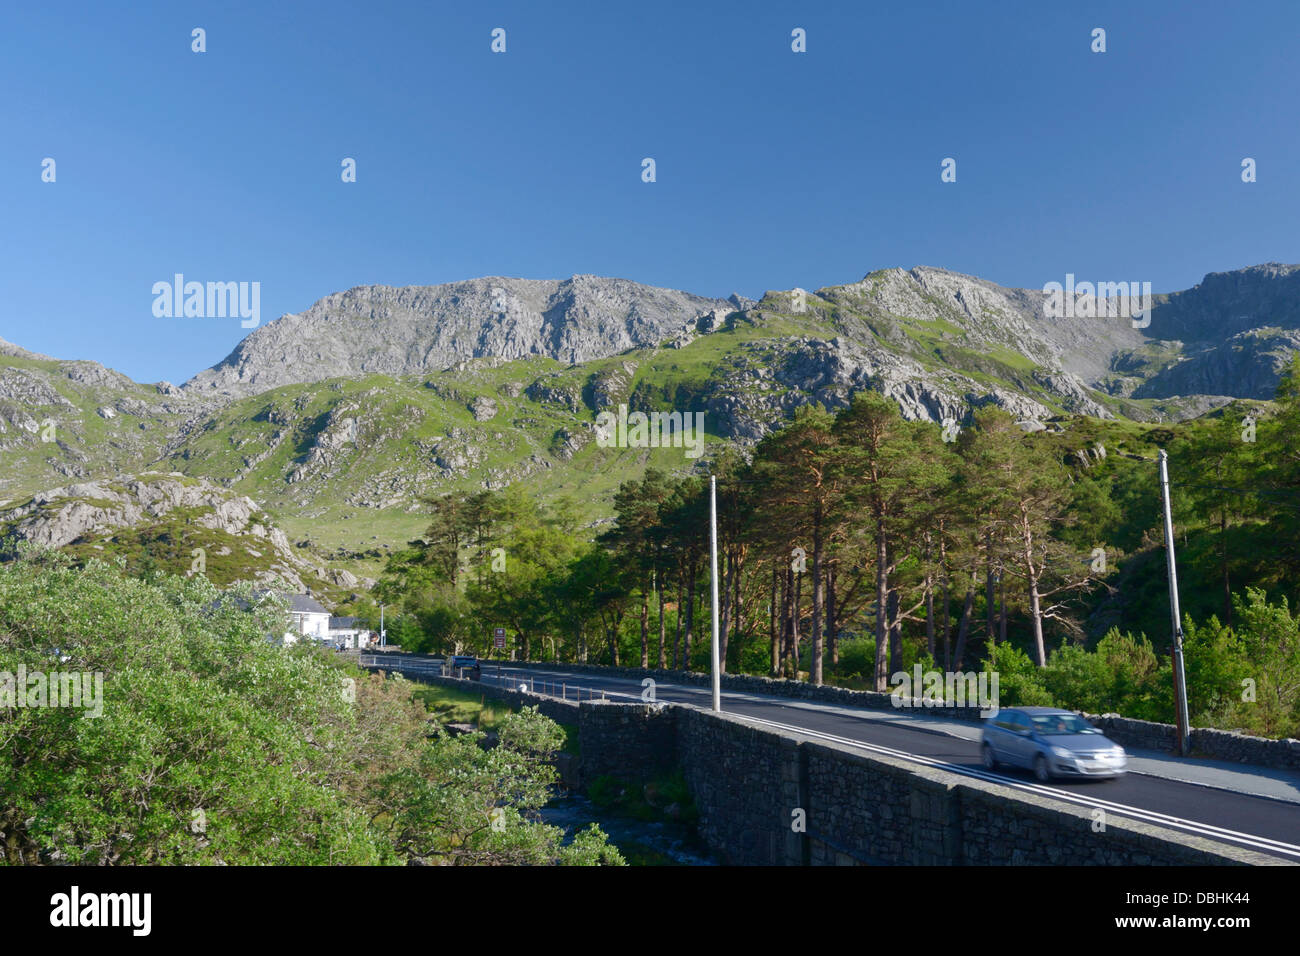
(1180, 675)
(713, 577)
(383, 635)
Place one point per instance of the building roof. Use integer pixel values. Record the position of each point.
(305, 603)
(302, 603)
(346, 624)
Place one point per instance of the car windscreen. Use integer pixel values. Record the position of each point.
(1057, 724)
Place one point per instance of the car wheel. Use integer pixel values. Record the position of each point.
(1041, 770)
(990, 761)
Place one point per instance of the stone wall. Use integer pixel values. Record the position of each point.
(752, 684)
(751, 786)
(745, 783)
(1205, 741)
(631, 742)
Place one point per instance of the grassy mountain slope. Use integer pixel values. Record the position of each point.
(340, 463)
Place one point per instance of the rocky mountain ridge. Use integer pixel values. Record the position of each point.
(339, 420)
(403, 331)
(1215, 326)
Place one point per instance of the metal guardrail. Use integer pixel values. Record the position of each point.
(556, 690)
(409, 665)
(399, 662)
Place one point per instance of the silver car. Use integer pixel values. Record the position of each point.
(1051, 743)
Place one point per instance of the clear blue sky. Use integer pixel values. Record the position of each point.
(775, 169)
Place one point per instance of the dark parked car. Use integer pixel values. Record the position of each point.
(1051, 743)
(465, 665)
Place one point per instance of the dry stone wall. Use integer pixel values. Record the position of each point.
(773, 798)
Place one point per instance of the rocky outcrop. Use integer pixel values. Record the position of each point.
(610, 386)
(62, 516)
(483, 408)
(1224, 304)
(30, 389)
(8, 348)
(413, 330)
(567, 442)
(92, 373)
(457, 453)
(554, 390)
(1251, 363)
(766, 384)
(339, 434)
(1229, 335)
(712, 321)
(98, 509)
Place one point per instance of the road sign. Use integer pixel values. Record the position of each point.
(499, 638)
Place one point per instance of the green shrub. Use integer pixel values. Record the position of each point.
(217, 746)
(1020, 680)
(858, 658)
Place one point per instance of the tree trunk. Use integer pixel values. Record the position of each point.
(895, 632)
(773, 615)
(738, 624)
(677, 640)
(990, 604)
(724, 617)
(1002, 605)
(947, 599)
(645, 624)
(659, 586)
(947, 622)
(815, 664)
(690, 616)
(882, 597)
(794, 626)
(1035, 614)
(787, 620)
(1035, 610)
(963, 628)
(929, 600)
(832, 623)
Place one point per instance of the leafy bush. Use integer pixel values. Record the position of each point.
(664, 797)
(858, 658)
(755, 657)
(1020, 680)
(217, 746)
(1123, 675)
(1246, 676)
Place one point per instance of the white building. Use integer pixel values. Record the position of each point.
(348, 631)
(309, 618)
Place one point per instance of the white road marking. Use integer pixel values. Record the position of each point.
(1150, 816)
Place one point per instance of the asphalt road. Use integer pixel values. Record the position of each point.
(1261, 823)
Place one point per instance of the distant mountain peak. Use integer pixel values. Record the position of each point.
(416, 329)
